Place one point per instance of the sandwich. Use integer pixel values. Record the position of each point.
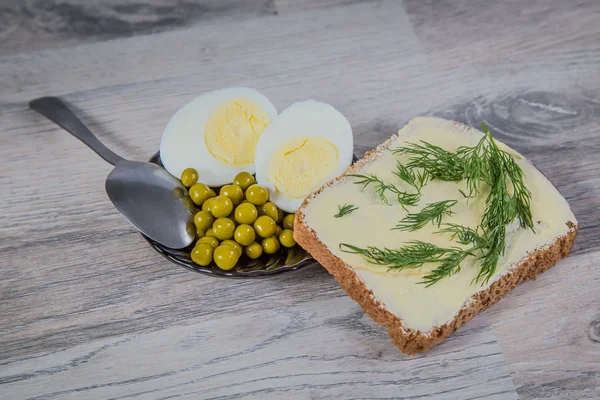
(433, 226)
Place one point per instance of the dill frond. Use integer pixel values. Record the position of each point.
(345, 210)
(416, 179)
(432, 212)
(404, 198)
(483, 163)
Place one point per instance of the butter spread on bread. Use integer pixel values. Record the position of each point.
(419, 316)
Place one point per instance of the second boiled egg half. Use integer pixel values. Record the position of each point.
(308, 144)
(217, 134)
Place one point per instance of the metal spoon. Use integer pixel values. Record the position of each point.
(150, 198)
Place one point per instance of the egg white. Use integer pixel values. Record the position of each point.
(309, 118)
(182, 144)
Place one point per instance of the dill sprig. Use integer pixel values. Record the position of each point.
(464, 235)
(484, 162)
(368, 179)
(521, 194)
(345, 210)
(432, 212)
(508, 199)
(496, 243)
(413, 255)
(449, 265)
(475, 165)
(435, 161)
(415, 179)
(404, 198)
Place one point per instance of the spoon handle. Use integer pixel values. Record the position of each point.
(58, 112)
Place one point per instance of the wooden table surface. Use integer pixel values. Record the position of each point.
(88, 310)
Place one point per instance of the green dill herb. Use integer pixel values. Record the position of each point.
(484, 162)
(449, 265)
(436, 162)
(404, 198)
(475, 165)
(345, 210)
(413, 255)
(508, 199)
(521, 194)
(432, 212)
(496, 244)
(464, 235)
(416, 179)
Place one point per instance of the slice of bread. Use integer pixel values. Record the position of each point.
(319, 239)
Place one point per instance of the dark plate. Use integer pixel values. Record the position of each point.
(285, 261)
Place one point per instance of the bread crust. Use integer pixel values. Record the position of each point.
(408, 340)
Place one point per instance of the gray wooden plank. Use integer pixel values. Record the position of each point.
(50, 24)
(486, 31)
(35, 25)
(285, 6)
(551, 342)
(219, 54)
(316, 349)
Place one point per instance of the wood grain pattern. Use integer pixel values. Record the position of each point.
(49, 24)
(267, 354)
(89, 311)
(563, 360)
(42, 24)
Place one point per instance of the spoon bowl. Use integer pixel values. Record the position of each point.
(153, 201)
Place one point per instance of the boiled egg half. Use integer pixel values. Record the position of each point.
(308, 144)
(217, 134)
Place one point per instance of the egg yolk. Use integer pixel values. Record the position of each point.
(300, 166)
(232, 131)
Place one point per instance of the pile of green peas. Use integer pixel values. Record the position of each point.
(239, 221)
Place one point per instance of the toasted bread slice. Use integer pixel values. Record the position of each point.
(420, 317)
